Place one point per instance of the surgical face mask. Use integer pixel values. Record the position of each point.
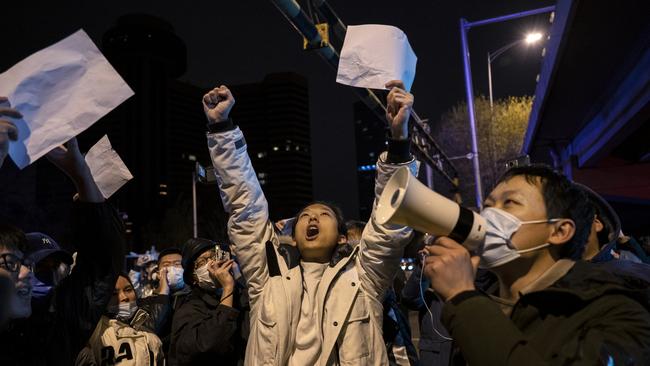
(205, 281)
(501, 226)
(175, 278)
(40, 290)
(123, 311)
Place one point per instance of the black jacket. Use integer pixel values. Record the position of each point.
(594, 314)
(176, 299)
(206, 332)
(434, 349)
(77, 303)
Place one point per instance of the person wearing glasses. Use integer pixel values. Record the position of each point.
(207, 327)
(55, 334)
(16, 273)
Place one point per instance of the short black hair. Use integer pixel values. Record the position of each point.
(12, 238)
(338, 215)
(168, 251)
(562, 199)
(356, 225)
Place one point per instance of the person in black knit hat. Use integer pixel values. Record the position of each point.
(207, 326)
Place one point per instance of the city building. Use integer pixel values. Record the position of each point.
(370, 136)
(274, 115)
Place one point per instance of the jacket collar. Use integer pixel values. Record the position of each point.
(209, 297)
(587, 281)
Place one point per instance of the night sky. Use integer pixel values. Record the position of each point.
(241, 41)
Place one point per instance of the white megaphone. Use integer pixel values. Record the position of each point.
(406, 201)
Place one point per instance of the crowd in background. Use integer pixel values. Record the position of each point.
(557, 282)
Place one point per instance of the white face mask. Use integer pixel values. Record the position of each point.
(175, 278)
(205, 281)
(124, 310)
(501, 226)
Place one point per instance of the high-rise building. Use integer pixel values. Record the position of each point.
(370, 135)
(274, 115)
(159, 132)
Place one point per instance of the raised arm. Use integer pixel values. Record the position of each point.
(249, 227)
(81, 298)
(382, 246)
(8, 130)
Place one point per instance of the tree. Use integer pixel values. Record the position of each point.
(500, 133)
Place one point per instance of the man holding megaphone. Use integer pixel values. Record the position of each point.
(550, 308)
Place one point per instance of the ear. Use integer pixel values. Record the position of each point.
(563, 232)
(598, 225)
(342, 239)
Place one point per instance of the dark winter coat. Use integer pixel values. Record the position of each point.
(594, 314)
(206, 332)
(54, 335)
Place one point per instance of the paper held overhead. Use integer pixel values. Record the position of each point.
(373, 55)
(60, 91)
(108, 170)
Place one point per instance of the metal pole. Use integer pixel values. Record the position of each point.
(305, 27)
(509, 17)
(470, 111)
(490, 80)
(194, 221)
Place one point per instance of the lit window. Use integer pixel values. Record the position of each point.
(191, 157)
(261, 154)
(275, 148)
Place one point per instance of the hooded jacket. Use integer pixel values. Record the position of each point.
(594, 314)
(350, 309)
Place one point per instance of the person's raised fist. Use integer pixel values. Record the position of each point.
(217, 104)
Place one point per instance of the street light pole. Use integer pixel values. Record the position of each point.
(492, 56)
(490, 80)
(194, 218)
(469, 90)
(464, 27)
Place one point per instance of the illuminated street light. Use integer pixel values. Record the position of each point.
(531, 38)
(464, 28)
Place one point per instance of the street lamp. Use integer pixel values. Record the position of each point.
(531, 38)
(465, 26)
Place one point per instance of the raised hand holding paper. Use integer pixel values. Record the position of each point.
(108, 170)
(60, 91)
(373, 55)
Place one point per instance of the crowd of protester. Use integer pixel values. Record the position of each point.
(555, 283)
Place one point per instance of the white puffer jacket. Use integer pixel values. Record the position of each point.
(350, 310)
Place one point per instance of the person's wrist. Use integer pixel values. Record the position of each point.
(400, 134)
(456, 292)
(80, 172)
(227, 288)
(220, 126)
(219, 119)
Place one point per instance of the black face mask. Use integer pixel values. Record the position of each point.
(52, 276)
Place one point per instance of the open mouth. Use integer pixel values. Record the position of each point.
(312, 232)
